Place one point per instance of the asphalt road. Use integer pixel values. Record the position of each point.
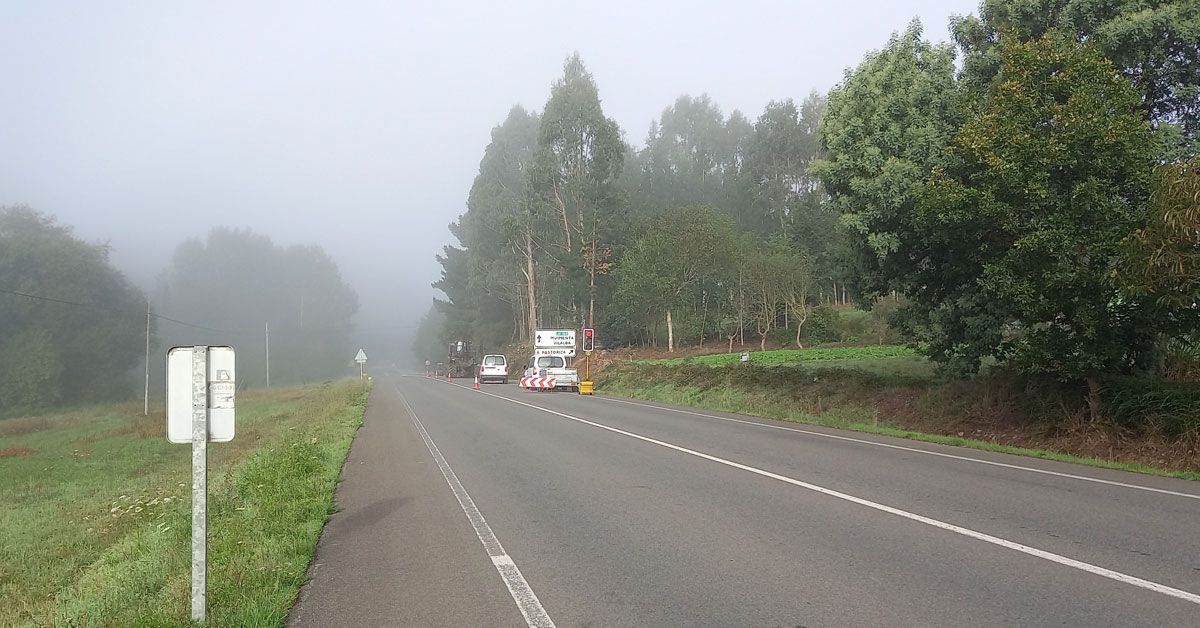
(510, 508)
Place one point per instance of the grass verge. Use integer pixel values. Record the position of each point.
(852, 400)
(95, 511)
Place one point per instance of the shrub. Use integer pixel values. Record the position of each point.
(823, 325)
(1144, 404)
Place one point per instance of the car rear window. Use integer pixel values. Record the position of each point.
(550, 362)
(493, 360)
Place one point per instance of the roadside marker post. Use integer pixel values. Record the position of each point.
(200, 409)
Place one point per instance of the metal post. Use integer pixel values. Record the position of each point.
(267, 329)
(146, 393)
(199, 482)
(360, 370)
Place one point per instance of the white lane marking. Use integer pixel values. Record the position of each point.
(522, 593)
(967, 532)
(903, 448)
(912, 449)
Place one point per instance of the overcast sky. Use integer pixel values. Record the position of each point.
(359, 126)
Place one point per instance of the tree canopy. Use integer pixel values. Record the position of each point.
(83, 335)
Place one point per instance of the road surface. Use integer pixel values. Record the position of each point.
(503, 507)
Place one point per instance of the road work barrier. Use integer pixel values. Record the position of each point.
(537, 382)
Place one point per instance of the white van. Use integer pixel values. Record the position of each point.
(493, 368)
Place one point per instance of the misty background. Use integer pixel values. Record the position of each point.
(358, 127)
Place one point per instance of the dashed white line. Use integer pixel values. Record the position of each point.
(531, 608)
(912, 449)
(967, 532)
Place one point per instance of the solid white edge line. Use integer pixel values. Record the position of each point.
(527, 601)
(939, 454)
(967, 532)
(912, 449)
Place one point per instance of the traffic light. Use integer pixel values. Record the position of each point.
(589, 339)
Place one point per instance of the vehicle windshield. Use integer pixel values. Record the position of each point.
(550, 362)
(493, 360)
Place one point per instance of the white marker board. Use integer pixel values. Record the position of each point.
(222, 384)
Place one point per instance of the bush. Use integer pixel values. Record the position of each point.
(882, 313)
(823, 325)
(782, 336)
(1143, 403)
(854, 326)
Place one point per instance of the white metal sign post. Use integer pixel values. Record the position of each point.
(199, 483)
(200, 393)
(361, 358)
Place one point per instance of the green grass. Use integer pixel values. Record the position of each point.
(95, 511)
(790, 357)
(758, 394)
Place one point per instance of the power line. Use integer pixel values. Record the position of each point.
(348, 328)
(52, 300)
(39, 297)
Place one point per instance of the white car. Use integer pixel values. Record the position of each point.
(494, 368)
(553, 366)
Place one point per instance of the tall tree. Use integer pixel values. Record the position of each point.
(1163, 257)
(82, 339)
(686, 155)
(501, 235)
(239, 282)
(886, 126)
(776, 164)
(1017, 239)
(428, 342)
(683, 253)
(579, 157)
(1154, 43)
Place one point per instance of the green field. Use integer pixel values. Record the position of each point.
(95, 511)
(877, 360)
(785, 357)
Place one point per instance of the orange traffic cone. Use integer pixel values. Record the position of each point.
(447, 375)
(476, 386)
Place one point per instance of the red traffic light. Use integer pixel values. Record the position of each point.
(588, 333)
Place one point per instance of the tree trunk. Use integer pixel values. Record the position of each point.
(670, 334)
(1093, 397)
(800, 323)
(530, 290)
(592, 287)
(762, 343)
(731, 337)
(562, 206)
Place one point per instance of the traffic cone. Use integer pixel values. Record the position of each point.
(447, 374)
(476, 386)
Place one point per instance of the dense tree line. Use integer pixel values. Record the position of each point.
(73, 329)
(1032, 206)
(251, 290)
(564, 217)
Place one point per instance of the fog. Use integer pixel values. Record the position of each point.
(359, 126)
